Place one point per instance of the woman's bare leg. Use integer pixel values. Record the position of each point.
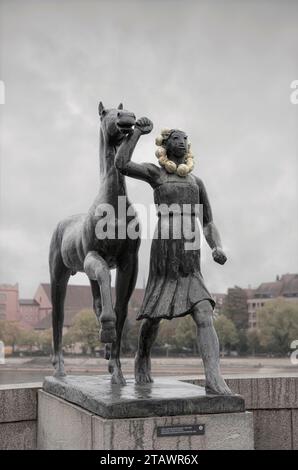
(147, 336)
(209, 347)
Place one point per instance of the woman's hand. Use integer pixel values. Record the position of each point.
(144, 125)
(219, 255)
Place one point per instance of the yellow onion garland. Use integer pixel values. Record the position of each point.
(181, 170)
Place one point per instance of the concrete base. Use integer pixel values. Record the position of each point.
(18, 416)
(166, 396)
(18, 436)
(63, 425)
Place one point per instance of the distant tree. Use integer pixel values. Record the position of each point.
(179, 333)
(10, 333)
(28, 338)
(186, 334)
(45, 341)
(167, 333)
(253, 342)
(70, 338)
(85, 330)
(126, 346)
(131, 335)
(227, 333)
(278, 325)
(235, 308)
(176, 334)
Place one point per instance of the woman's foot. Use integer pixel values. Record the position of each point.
(143, 370)
(216, 385)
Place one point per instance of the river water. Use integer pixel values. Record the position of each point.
(29, 376)
(30, 370)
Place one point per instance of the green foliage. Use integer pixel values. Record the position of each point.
(253, 342)
(167, 333)
(278, 325)
(235, 307)
(131, 335)
(85, 330)
(186, 334)
(126, 339)
(44, 340)
(13, 335)
(277, 328)
(10, 333)
(226, 331)
(28, 338)
(178, 334)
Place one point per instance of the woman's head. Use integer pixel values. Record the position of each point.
(174, 151)
(177, 145)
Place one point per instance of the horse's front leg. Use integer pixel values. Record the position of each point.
(97, 269)
(125, 282)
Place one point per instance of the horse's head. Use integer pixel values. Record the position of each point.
(115, 123)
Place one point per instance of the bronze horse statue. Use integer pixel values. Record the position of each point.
(75, 247)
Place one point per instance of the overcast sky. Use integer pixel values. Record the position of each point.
(220, 70)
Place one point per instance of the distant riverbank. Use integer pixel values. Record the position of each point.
(34, 369)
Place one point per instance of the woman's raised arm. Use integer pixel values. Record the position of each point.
(144, 171)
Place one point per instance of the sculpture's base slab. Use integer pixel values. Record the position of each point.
(164, 397)
(83, 412)
(62, 425)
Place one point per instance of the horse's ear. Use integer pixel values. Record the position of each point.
(120, 106)
(101, 109)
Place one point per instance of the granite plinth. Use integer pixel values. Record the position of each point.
(65, 426)
(164, 397)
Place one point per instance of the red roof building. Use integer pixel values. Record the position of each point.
(78, 298)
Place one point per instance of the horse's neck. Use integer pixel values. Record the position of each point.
(111, 180)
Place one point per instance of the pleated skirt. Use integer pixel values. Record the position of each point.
(175, 283)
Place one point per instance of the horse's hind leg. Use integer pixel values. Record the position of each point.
(59, 278)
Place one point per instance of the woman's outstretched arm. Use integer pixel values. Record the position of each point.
(144, 171)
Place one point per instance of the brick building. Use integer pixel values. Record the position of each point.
(36, 312)
(219, 299)
(79, 298)
(9, 302)
(25, 311)
(284, 287)
(29, 312)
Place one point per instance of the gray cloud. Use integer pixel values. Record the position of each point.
(219, 70)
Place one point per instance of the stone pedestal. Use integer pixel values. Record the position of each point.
(90, 413)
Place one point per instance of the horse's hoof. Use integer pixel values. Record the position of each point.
(108, 332)
(108, 335)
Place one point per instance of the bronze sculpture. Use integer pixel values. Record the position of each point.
(175, 285)
(75, 247)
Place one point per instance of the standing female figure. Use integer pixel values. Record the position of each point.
(175, 286)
